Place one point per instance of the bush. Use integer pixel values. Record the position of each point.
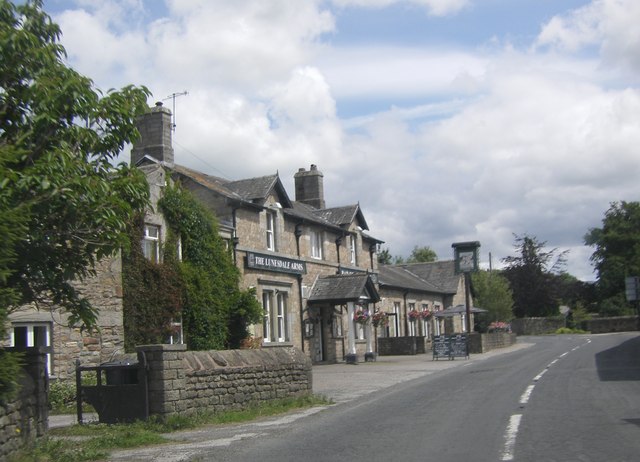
(566, 330)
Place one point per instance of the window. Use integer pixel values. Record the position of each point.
(336, 326)
(275, 327)
(352, 249)
(271, 231)
(33, 335)
(425, 322)
(151, 243)
(393, 327)
(316, 244)
(412, 324)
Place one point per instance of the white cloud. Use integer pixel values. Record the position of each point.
(477, 144)
(433, 7)
(609, 25)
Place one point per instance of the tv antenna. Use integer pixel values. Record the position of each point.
(173, 97)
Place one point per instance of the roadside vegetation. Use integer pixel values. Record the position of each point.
(99, 440)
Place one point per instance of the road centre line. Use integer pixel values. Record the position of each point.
(539, 376)
(524, 398)
(511, 433)
(510, 437)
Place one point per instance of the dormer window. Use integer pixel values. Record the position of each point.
(316, 244)
(271, 231)
(352, 249)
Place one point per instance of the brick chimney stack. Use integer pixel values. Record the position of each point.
(309, 187)
(155, 135)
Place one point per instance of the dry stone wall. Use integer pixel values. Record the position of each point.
(183, 381)
(25, 417)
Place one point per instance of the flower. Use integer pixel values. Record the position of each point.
(413, 315)
(425, 314)
(380, 318)
(361, 315)
(499, 326)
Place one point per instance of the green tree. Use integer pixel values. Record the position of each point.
(492, 292)
(422, 255)
(530, 275)
(63, 204)
(616, 255)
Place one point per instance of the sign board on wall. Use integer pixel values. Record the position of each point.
(275, 263)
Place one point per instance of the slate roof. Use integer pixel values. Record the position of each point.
(210, 182)
(439, 275)
(257, 189)
(400, 278)
(344, 216)
(341, 288)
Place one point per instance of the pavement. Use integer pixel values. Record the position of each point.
(345, 382)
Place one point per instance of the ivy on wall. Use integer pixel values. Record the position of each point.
(152, 295)
(203, 287)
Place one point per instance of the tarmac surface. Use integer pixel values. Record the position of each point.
(345, 382)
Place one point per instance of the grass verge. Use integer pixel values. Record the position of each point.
(92, 442)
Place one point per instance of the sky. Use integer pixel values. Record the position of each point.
(446, 120)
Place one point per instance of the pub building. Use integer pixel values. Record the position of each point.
(313, 267)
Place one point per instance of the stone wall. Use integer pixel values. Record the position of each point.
(536, 326)
(25, 417)
(617, 324)
(183, 381)
(390, 346)
(482, 343)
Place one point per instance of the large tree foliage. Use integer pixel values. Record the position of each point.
(531, 277)
(423, 254)
(62, 202)
(616, 255)
(58, 136)
(491, 292)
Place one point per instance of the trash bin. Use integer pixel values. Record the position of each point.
(120, 372)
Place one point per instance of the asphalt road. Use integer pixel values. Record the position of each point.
(565, 398)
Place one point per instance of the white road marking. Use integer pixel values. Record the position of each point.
(510, 437)
(524, 399)
(539, 376)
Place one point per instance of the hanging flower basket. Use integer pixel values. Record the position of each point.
(426, 314)
(413, 315)
(380, 318)
(361, 316)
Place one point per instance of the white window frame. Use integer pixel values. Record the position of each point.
(31, 337)
(352, 249)
(271, 230)
(276, 316)
(267, 303)
(411, 324)
(281, 313)
(151, 242)
(425, 322)
(315, 242)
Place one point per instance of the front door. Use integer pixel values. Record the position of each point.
(318, 340)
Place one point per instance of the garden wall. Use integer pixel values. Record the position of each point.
(536, 326)
(26, 416)
(391, 346)
(181, 381)
(617, 324)
(482, 343)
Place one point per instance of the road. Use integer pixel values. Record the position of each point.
(566, 398)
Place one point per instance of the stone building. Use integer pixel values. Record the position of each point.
(416, 295)
(312, 266)
(48, 327)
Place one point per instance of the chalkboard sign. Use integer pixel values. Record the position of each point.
(459, 346)
(441, 347)
(450, 346)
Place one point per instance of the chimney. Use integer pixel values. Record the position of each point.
(155, 136)
(309, 187)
